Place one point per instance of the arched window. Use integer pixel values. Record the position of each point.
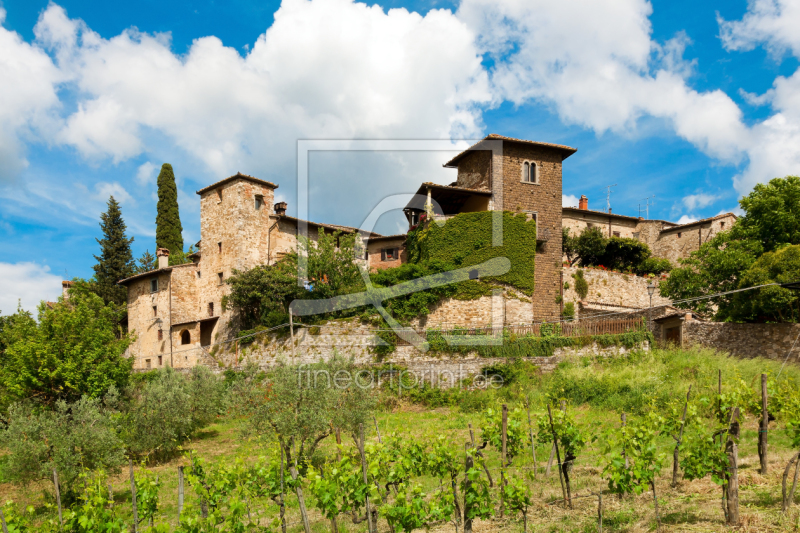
(526, 172)
(186, 337)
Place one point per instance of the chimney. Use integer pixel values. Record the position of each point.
(687, 317)
(280, 208)
(583, 203)
(65, 286)
(163, 258)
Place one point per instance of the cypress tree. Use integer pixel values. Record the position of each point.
(168, 219)
(115, 261)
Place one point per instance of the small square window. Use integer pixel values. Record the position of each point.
(679, 234)
(155, 310)
(161, 334)
(616, 234)
(147, 362)
(389, 254)
(722, 225)
(635, 235)
(154, 285)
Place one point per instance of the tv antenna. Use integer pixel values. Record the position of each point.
(646, 207)
(608, 197)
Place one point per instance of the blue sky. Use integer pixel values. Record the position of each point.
(692, 102)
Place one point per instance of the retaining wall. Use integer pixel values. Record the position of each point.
(773, 341)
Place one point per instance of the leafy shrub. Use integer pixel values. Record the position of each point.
(164, 412)
(569, 311)
(69, 438)
(581, 285)
(653, 265)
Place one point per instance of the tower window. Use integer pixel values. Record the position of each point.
(679, 234)
(160, 360)
(161, 334)
(259, 201)
(154, 285)
(220, 278)
(219, 246)
(530, 172)
(210, 308)
(155, 310)
(722, 225)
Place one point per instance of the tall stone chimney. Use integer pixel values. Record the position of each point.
(280, 208)
(583, 203)
(163, 258)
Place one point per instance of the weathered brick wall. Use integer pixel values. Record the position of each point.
(543, 199)
(773, 341)
(612, 289)
(474, 170)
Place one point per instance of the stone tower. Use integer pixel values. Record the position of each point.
(524, 176)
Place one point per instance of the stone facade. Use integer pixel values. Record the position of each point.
(666, 240)
(386, 252)
(609, 292)
(505, 307)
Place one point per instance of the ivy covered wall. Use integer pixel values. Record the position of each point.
(466, 240)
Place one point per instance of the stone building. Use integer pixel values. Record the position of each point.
(667, 240)
(174, 309)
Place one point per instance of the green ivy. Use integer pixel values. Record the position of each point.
(466, 240)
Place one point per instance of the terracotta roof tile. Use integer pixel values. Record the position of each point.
(236, 176)
(495, 137)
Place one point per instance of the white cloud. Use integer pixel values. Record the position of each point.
(686, 219)
(104, 190)
(699, 200)
(569, 200)
(27, 97)
(772, 23)
(27, 283)
(146, 173)
(325, 69)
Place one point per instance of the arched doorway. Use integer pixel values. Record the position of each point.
(186, 337)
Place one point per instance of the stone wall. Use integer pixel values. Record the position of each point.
(612, 290)
(680, 241)
(508, 307)
(474, 170)
(773, 341)
(352, 339)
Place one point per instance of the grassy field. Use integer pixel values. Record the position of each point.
(597, 392)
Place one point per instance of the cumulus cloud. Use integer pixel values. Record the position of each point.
(104, 190)
(569, 200)
(699, 200)
(686, 219)
(772, 23)
(146, 173)
(26, 284)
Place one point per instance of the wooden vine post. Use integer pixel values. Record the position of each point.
(678, 440)
(763, 427)
(558, 456)
(530, 436)
(3, 521)
(468, 465)
(58, 498)
(283, 496)
(133, 500)
(732, 486)
(789, 498)
(300, 499)
(504, 451)
(180, 492)
(366, 481)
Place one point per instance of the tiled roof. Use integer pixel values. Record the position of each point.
(387, 237)
(237, 176)
(156, 271)
(613, 215)
(336, 227)
(495, 137)
(699, 222)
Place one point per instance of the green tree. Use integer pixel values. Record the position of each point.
(591, 246)
(772, 304)
(716, 267)
(624, 254)
(168, 219)
(772, 213)
(76, 348)
(115, 261)
(145, 263)
(569, 245)
(70, 437)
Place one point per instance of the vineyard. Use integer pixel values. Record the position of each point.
(670, 441)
